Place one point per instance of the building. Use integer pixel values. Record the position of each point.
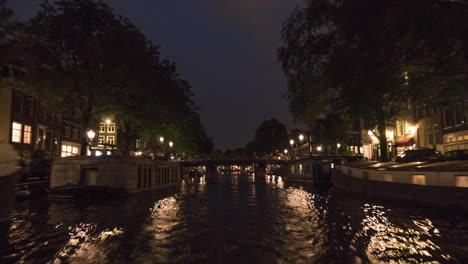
(29, 125)
(455, 127)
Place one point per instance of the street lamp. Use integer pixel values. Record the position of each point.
(91, 134)
(338, 145)
(171, 144)
(291, 142)
(301, 137)
(161, 139)
(285, 151)
(319, 148)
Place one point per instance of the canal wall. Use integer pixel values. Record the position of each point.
(127, 174)
(445, 189)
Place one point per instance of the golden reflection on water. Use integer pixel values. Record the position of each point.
(393, 244)
(87, 245)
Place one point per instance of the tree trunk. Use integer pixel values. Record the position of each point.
(87, 116)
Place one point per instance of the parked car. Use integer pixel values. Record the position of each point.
(461, 154)
(428, 155)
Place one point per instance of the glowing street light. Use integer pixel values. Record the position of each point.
(319, 148)
(301, 137)
(291, 142)
(285, 151)
(171, 144)
(338, 145)
(108, 121)
(91, 134)
(161, 139)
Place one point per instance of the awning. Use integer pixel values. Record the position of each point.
(406, 142)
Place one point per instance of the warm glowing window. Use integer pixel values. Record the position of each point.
(27, 134)
(138, 143)
(102, 129)
(388, 177)
(111, 128)
(110, 140)
(419, 179)
(101, 140)
(16, 132)
(461, 181)
(68, 151)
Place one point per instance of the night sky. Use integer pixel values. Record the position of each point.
(226, 49)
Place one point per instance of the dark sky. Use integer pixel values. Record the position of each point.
(226, 49)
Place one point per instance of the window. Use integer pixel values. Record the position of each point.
(461, 181)
(16, 132)
(111, 128)
(110, 140)
(419, 111)
(401, 130)
(448, 117)
(75, 133)
(67, 131)
(28, 107)
(388, 177)
(17, 104)
(137, 145)
(429, 136)
(419, 179)
(68, 151)
(436, 132)
(27, 135)
(101, 128)
(101, 140)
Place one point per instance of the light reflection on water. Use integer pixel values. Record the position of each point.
(233, 219)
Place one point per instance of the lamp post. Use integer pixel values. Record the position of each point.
(291, 142)
(338, 145)
(285, 153)
(91, 134)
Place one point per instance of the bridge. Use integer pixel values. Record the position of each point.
(211, 164)
(232, 161)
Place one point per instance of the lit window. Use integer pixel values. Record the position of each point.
(461, 181)
(138, 143)
(111, 128)
(110, 140)
(75, 151)
(419, 179)
(68, 151)
(27, 134)
(102, 129)
(101, 140)
(16, 132)
(388, 177)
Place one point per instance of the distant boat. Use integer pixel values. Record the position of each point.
(8, 171)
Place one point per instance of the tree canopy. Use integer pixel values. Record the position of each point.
(366, 59)
(87, 57)
(271, 135)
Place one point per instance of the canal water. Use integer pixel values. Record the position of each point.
(233, 220)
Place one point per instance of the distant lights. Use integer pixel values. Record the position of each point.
(301, 137)
(291, 142)
(319, 148)
(285, 151)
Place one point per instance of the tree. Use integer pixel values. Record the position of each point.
(105, 65)
(352, 57)
(271, 135)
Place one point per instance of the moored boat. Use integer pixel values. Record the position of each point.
(8, 171)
